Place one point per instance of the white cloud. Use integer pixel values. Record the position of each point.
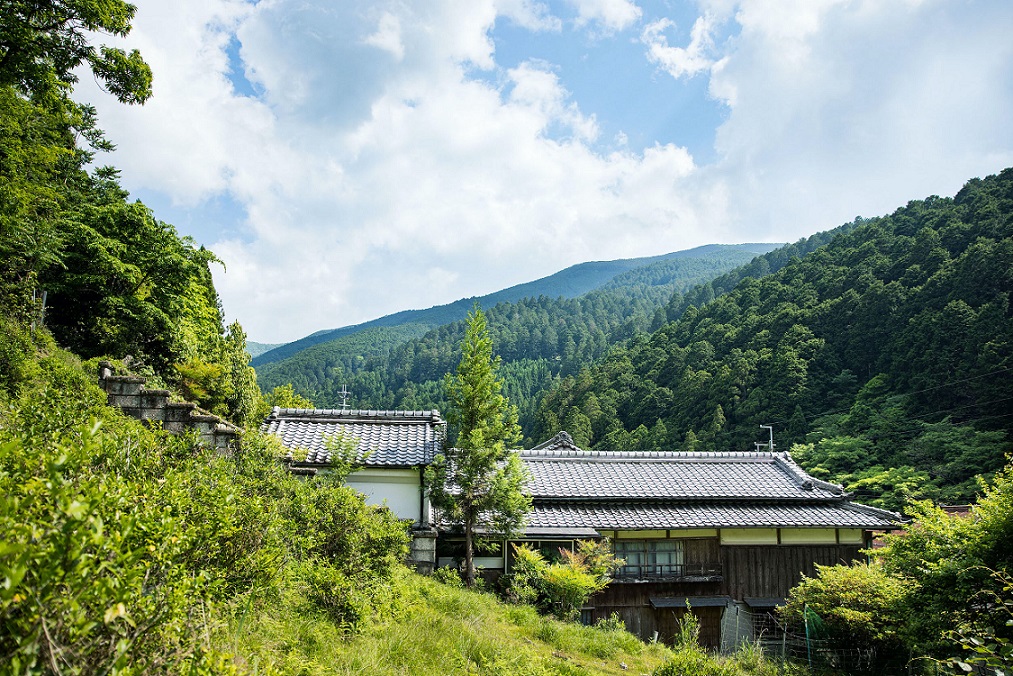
(609, 15)
(388, 36)
(838, 108)
(533, 15)
(389, 162)
(680, 61)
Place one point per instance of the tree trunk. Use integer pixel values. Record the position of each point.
(469, 554)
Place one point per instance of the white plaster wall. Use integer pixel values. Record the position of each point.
(399, 489)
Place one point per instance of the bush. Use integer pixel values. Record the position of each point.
(858, 607)
(15, 349)
(560, 588)
(566, 588)
(448, 576)
(119, 540)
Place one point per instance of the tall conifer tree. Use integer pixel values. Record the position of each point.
(479, 482)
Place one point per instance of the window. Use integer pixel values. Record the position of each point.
(650, 558)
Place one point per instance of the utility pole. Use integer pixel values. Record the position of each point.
(771, 429)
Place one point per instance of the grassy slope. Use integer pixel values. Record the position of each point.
(436, 629)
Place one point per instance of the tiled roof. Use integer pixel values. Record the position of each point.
(647, 516)
(572, 488)
(562, 441)
(391, 438)
(564, 474)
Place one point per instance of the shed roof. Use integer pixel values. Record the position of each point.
(384, 438)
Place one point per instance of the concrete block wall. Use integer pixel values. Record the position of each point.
(153, 406)
(422, 555)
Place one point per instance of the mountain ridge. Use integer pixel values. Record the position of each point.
(571, 282)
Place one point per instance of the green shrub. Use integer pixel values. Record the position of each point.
(858, 606)
(119, 541)
(563, 587)
(448, 576)
(523, 583)
(15, 351)
(567, 587)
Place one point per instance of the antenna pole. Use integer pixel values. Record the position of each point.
(771, 429)
(344, 397)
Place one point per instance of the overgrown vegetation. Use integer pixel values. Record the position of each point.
(688, 658)
(938, 593)
(122, 543)
(435, 628)
(560, 587)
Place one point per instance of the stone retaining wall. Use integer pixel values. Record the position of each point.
(153, 406)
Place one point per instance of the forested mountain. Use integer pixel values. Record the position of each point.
(572, 282)
(539, 339)
(256, 349)
(886, 355)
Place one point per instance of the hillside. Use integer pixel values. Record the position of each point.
(885, 354)
(254, 348)
(572, 282)
(538, 338)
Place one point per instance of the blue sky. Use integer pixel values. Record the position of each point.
(348, 160)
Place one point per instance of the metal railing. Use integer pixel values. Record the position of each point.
(667, 571)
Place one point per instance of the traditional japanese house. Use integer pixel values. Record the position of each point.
(393, 449)
(726, 534)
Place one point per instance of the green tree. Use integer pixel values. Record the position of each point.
(42, 42)
(479, 482)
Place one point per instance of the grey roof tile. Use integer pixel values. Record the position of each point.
(572, 488)
(671, 475)
(391, 438)
(647, 516)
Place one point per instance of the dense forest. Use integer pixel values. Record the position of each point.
(101, 273)
(539, 339)
(676, 268)
(883, 358)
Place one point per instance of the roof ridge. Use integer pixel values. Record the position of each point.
(875, 511)
(567, 454)
(379, 415)
(804, 479)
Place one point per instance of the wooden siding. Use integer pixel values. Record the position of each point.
(701, 553)
(747, 571)
(772, 571)
(632, 602)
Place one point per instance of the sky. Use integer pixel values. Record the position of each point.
(349, 159)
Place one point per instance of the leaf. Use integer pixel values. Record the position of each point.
(119, 610)
(8, 548)
(76, 509)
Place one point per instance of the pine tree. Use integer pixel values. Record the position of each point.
(479, 482)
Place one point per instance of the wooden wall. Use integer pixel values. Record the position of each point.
(747, 571)
(632, 602)
(769, 571)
